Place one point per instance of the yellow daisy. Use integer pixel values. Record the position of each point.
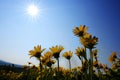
(80, 31)
(112, 57)
(46, 58)
(80, 52)
(95, 52)
(56, 50)
(88, 41)
(95, 63)
(36, 52)
(67, 55)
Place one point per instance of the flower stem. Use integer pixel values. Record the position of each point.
(91, 65)
(69, 64)
(41, 68)
(58, 64)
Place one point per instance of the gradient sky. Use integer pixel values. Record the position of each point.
(19, 33)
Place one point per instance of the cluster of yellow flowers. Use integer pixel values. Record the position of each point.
(46, 59)
(90, 69)
(89, 64)
(86, 38)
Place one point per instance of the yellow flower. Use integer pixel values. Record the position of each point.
(36, 52)
(80, 31)
(46, 58)
(88, 41)
(50, 62)
(95, 52)
(112, 57)
(48, 55)
(100, 65)
(95, 63)
(114, 66)
(56, 50)
(68, 55)
(105, 66)
(80, 52)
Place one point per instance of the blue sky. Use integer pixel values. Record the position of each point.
(19, 33)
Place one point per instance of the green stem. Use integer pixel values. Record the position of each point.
(41, 68)
(58, 64)
(99, 72)
(69, 64)
(91, 65)
(80, 60)
(86, 67)
(85, 54)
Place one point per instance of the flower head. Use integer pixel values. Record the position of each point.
(80, 52)
(88, 41)
(95, 52)
(80, 31)
(47, 57)
(100, 65)
(56, 50)
(36, 52)
(95, 63)
(68, 55)
(105, 68)
(50, 62)
(114, 66)
(112, 57)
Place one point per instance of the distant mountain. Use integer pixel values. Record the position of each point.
(3, 62)
(9, 63)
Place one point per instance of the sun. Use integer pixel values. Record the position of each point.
(33, 10)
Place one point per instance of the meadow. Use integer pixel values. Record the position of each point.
(90, 69)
